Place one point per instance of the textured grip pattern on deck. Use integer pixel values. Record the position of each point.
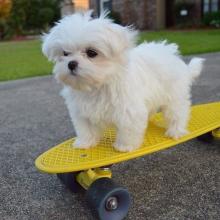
(65, 158)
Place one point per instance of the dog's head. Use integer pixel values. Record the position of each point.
(87, 52)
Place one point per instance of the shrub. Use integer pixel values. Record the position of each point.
(212, 18)
(33, 16)
(42, 13)
(5, 8)
(46, 16)
(17, 17)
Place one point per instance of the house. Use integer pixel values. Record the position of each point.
(144, 14)
(149, 14)
(69, 6)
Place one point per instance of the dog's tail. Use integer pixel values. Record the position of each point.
(195, 67)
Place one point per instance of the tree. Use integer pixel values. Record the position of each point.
(42, 13)
(33, 15)
(18, 16)
(5, 8)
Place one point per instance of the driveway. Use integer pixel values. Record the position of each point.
(179, 183)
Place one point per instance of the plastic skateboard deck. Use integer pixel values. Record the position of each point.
(65, 158)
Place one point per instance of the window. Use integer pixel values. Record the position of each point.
(214, 5)
(210, 5)
(206, 6)
(105, 5)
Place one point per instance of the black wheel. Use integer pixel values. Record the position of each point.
(207, 137)
(69, 180)
(107, 200)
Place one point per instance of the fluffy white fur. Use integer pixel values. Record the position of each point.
(123, 85)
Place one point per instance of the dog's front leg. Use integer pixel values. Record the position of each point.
(130, 133)
(88, 135)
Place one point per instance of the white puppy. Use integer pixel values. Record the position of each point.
(110, 81)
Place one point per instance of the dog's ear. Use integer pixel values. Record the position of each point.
(51, 46)
(121, 38)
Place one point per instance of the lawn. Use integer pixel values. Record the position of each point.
(24, 59)
(190, 42)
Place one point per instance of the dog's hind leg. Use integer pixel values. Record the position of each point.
(177, 115)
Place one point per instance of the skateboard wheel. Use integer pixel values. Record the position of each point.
(69, 180)
(107, 200)
(207, 137)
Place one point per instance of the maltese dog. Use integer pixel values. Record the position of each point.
(108, 80)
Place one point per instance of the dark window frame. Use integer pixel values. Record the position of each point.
(210, 6)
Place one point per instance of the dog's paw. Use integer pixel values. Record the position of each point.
(84, 144)
(176, 133)
(124, 148)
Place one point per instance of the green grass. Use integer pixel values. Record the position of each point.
(190, 42)
(24, 59)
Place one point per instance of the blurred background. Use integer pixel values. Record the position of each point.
(194, 25)
(178, 183)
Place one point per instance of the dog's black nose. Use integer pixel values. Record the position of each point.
(72, 65)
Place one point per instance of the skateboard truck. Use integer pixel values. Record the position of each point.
(210, 136)
(216, 133)
(87, 177)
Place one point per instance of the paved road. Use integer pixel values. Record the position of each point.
(179, 183)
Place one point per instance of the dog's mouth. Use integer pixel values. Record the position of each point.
(73, 73)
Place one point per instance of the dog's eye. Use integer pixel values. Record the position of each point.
(91, 53)
(65, 53)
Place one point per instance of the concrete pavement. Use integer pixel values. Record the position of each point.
(180, 183)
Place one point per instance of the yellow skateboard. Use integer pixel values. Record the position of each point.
(90, 169)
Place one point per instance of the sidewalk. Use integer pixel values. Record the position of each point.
(180, 183)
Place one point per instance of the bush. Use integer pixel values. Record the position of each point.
(46, 16)
(17, 17)
(5, 8)
(42, 13)
(212, 18)
(31, 16)
(5, 31)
